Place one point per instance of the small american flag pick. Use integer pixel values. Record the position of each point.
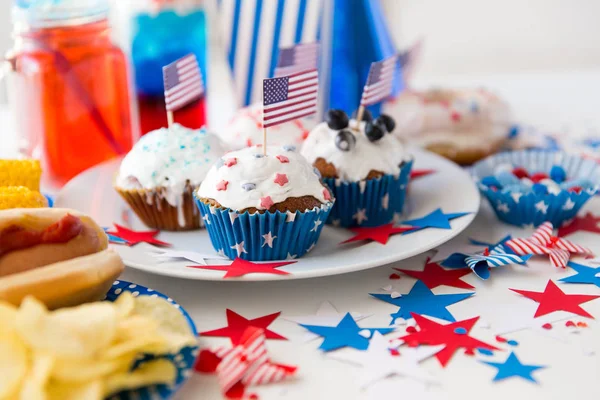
(379, 82)
(543, 242)
(298, 58)
(183, 82)
(290, 97)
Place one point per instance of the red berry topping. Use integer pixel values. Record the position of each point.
(520, 172)
(538, 177)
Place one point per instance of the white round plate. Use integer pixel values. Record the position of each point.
(449, 188)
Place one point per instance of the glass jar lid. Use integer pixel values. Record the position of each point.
(27, 14)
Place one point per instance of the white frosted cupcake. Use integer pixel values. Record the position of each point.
(366, 167)
(245, 129)
(264, 207)
(158, 176)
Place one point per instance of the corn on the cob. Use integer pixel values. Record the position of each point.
(20, 173)
(21, 197)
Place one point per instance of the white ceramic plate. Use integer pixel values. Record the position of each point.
(450, 189)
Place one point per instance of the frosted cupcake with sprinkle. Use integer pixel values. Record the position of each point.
(264, 207)
(158, 176)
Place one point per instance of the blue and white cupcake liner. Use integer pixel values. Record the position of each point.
(525, 209)
(264, 237)
(371, 202)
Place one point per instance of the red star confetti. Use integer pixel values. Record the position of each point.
(454, 336)
(230, 162)
(281, 179)
(419, 173)
(246, 364)
(587, 223)
(379, 234)
(236, 325)
(240, 267)
(132, 237)
(553, 299)
(282, 159)
(266, 202)
(433, 275)
(222, 185)
(543, 242)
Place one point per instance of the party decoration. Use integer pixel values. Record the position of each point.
(457, 245)
(419, 173)
(453, 336)
(554, 299)
(237, 325)
(380, 234)
(247, 363)
(433, 275)
(298, 58)
(132, 237)
(436, 219)
(345, 334)
(481, 263)
(421, 300)
(240, 267)
(512, 367)
(543, 242)
(193, 256)
(587, 223)
(114, 239)
(584, 274)
(379, 363)
(183, 84)
(289, 97)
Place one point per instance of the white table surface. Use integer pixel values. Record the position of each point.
(553, 100)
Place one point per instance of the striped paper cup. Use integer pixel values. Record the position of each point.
(524, 208)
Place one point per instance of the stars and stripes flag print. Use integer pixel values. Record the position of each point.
(380, 81)
(298, 58)
(183, 82)
(289, 97)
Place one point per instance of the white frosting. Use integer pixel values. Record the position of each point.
(245, 129)
(168, 159)
(463, 119)
(245, 178)
(384, 155)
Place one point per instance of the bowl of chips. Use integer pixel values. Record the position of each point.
(137, 344)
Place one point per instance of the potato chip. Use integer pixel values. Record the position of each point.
(8, 315)
(159, 309)
(93, 390)
(34, 385)
(133, 325)
(71, 332)
(152, 372)
(137, 345)
(85, 370)
(125, 304)
(13, 365)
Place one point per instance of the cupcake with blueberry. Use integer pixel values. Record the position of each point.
(366, 167)
(264, 207)
(158, 176)
(531, 187)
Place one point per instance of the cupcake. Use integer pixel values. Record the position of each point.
(245, 129)
(365, 166)
(260, 208)
(158, 176)
(462, 125)
(528, 188)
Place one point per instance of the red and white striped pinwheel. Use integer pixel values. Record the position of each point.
(543, 242)
(245, 364)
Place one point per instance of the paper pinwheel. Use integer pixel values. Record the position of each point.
(481, 263)
(543, 242)
(246, 364)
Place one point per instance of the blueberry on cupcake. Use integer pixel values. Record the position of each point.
(366, 167)
(264, 207)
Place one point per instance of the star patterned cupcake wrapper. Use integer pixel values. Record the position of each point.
(372, 202)
(526, 209)
(263, 237)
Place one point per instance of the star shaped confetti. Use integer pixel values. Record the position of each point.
(543, 242)
(437, 219)
(482, 263)
(193, 256)
(421, 300)
(379, 363)
(512, 367)
(236, 325)
(453, 336)
(587, 223)
(584, 275)
(114, 239)
(380, 234)
(240, 267)
(433, 275)
(554, 299)
(132, 237)
(345, 334)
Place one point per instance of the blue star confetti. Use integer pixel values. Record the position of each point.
(436, 219)
(512, 367)
(421, 300)
(113, 238)
(346, 334)
(584, 274)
